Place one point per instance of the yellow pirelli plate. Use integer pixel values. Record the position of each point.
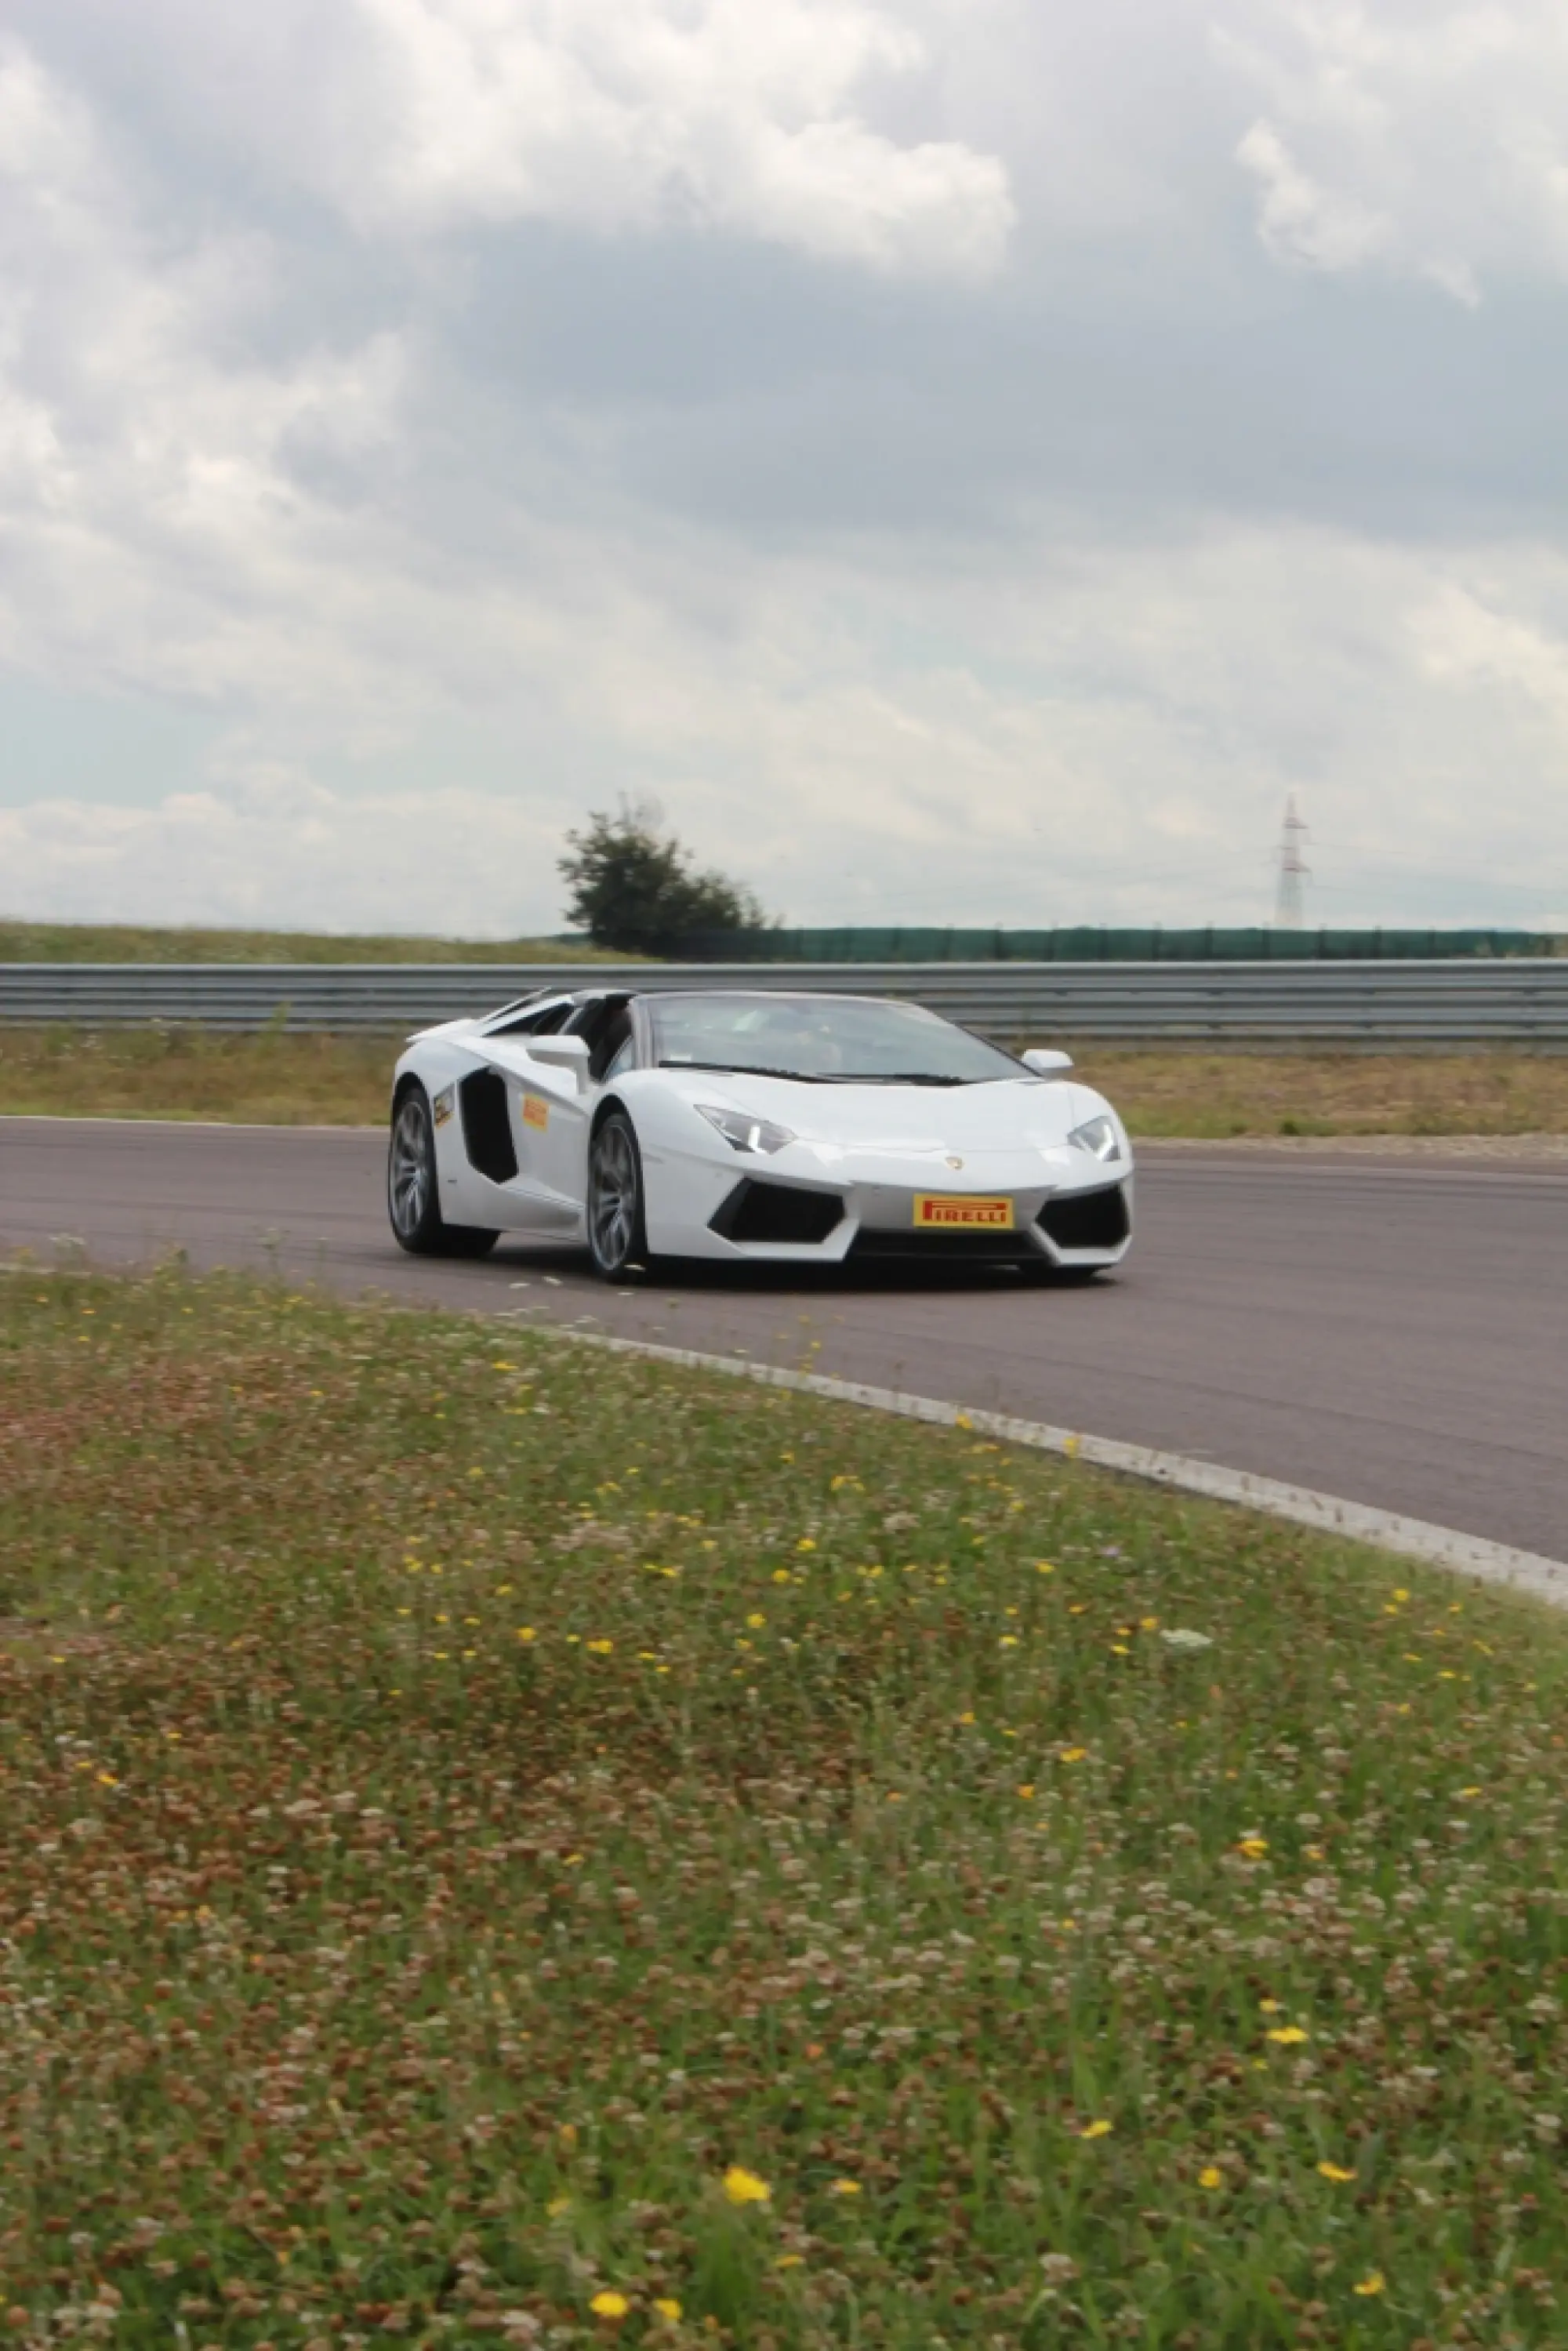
(961, 1212)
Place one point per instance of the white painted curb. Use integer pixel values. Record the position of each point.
(1489, 1562)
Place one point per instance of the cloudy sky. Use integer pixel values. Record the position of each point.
(967, 459)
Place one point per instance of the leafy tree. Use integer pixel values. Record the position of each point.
(634, 887)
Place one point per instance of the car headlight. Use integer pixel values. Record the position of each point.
(744, 1132)
(1098, 1137)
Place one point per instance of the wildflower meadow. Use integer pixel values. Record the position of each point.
(506, 1842)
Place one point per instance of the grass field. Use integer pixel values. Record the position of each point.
(128, 943)
(291, 1079)
(507, 1843)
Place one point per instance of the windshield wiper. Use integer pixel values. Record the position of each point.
(829, 1078)
(746, 1069)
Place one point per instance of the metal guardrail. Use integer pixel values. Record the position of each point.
(1510, 1001)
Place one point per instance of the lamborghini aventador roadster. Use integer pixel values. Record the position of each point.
(737, 1124)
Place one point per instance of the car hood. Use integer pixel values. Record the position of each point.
(990, 1117)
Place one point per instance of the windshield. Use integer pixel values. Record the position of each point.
(826, 1038)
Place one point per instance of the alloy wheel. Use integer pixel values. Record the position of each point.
(614, 1198)
(408, 1179)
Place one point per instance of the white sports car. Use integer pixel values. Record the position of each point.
(741, 1125)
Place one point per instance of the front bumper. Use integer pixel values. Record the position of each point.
(777, 1217)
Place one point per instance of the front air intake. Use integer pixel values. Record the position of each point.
(1087, 1220)
(776, 1212)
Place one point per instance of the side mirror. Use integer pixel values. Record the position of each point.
(561, 1053)
(1046, 1062)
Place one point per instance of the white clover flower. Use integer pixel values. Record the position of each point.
(1177, 1636)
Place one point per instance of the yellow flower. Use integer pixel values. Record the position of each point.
(1287, 2035)
(1045, 1567)
(1372, 2283)
(743, 2187)
(1027, 1790)
(806, 1542)
(601, 1648)
(1270, 2007)
(1211, 2176)
(610, 2305)
(1120, 1649)
(1253, 1847)
(1336, 2171)
(1149, 1623)
(756, 1619)
(845, 2188)
(788, 2261)
(668, 2308)
(1074, 1754)
(1008, 1640)
(782, 1575)
(967, 1717)
(1095, 2130)
(557, 2206)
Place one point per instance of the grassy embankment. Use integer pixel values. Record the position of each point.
(128, 943)
(504, 1843)
(296, 1079)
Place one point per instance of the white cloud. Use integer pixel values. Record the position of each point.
(717, 114)
(277, 849)
(1425, 137)
(745, 119)
(1302, 221)
(153, 530)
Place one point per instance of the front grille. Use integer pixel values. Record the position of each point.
(776, 1212)
(1087, 1220)
(946, 1248)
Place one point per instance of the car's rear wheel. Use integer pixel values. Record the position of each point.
(617, 1228)
(414, 1201)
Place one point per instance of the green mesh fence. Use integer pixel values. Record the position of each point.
(1089, 944)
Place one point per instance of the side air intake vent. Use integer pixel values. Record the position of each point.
(1087, 1220)
(776, 1212)
(487, 1127)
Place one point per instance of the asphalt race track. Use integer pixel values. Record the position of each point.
(1395, 1332)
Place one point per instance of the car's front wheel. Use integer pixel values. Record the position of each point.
(617, 1229)
(413, 1202)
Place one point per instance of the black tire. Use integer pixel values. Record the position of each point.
(617, 1225)
(413, 1202)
